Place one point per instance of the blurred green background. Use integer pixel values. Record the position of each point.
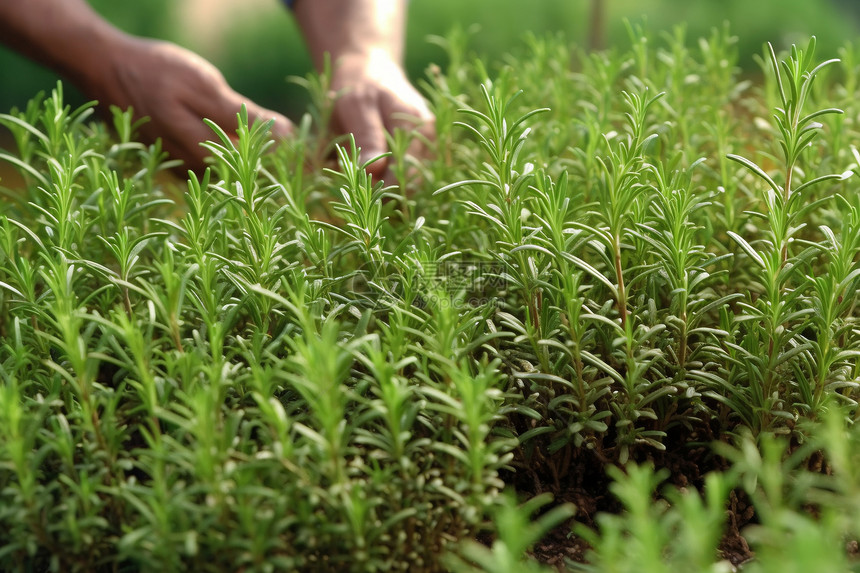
(256, 44)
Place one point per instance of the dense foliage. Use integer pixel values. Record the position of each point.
(292, 367)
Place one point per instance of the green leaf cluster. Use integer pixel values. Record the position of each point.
(287, 365)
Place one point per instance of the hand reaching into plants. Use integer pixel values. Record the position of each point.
(365, 41)
(175, 88)
(377, 98)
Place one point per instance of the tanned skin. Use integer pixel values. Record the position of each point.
(177, 88)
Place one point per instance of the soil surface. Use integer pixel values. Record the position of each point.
(585, 484)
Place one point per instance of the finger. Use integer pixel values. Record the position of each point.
(407, 109)
(360, 115)
(188, 151)
(421, 125)
(281, 129)
(181, 131)
(423, 144)
(184, 139)
(224, 109)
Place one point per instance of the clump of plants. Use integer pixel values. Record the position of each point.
(617, 278)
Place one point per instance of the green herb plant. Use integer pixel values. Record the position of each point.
(624, 290)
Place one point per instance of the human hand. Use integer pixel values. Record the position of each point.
(365, 41)
(176, 89)
(375, 97)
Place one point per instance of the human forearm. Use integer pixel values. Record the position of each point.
(351, 27)
(175, 88)
(65, 35)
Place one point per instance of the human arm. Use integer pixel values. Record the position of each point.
(365, 39)
(173, 86)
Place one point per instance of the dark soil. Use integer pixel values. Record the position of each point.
(584, 483)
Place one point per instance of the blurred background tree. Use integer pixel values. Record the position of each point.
(256, 44)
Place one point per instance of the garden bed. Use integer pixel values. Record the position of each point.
(627, 280)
